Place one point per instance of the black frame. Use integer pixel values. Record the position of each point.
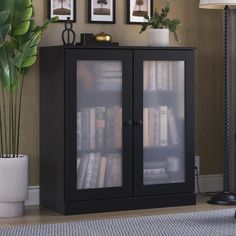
(62, 21)
(72, 56)
(167, 55)
(113, 21)
(128, 12)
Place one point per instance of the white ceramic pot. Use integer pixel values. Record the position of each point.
(13, 185)
(158, 37)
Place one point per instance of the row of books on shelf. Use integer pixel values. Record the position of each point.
(163, 171)
(158, 75)
(101, 76)
(99, 128)
(95, 170)
(159, 127)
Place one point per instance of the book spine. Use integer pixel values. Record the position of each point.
(152, 75)
(145, 127)
(151, 127)
(116, 170)
(153, 172)
(118, 127)
(82, 171)
(145, 75)
(157, 127)
(110, 128)
(170, 76)
(79, 131)
(95, 168)
(108, 173)
(174, 137)
(100, 127)
(85, 129)
(102, 171)
(159, 79)
(163, 126)
(92, 129)
(165, 75)
(89, 171)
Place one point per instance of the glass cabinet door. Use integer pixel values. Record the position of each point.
(163, 122)
(99, 124)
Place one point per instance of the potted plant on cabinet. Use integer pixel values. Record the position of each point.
(19, 39)
(160, 25)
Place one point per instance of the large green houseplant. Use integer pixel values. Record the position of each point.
(19, 40)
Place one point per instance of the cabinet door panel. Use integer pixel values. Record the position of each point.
(99, 163)
(163, 160)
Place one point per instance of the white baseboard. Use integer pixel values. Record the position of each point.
(207, 183)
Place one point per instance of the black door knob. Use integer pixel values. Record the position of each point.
(128, 123)
(138, 123)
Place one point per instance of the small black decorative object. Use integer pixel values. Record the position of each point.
(68, 34)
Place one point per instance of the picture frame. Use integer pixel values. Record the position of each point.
(136, 9)
(102, 11)
(64, 9)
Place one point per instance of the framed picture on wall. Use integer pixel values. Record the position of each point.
(101, 11)
(63, 9)
(137, 9)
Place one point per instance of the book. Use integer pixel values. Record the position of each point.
(151, 126)
(170, 76)
(145, 127)
(92, 129)
(153, 172)
(118, 127)
(159, 74)
(91, 176)
(163, 126)
(102, 171)
(110, 127)
(145, 75)
(154, 164)
(173, 132)
(165, 74)
(157, 127)
(79, 131)
(152, 75)
(116, 170)
(107, 182)
(85, 123)
(82, 170)
(100, 127)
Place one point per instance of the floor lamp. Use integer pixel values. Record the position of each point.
(225, 197)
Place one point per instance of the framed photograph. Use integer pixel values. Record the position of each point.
(137, 9)
(63, 9)
(101, 11)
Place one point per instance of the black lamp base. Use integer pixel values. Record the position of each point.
(223, 198)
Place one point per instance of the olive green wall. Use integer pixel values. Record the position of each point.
(200, 28)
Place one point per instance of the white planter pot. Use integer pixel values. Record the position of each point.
(158, 37)
(13, 185)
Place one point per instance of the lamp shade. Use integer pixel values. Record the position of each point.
(216, 4)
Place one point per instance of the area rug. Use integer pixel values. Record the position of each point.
(218, 222)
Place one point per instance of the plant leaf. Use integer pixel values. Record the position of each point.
(4, 26)
(8, 72)
(21, 14)
(28, 52)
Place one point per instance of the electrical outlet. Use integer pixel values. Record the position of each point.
(197, 163)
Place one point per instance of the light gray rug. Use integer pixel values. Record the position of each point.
(219, 222)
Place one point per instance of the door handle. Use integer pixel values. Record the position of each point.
(138, 123)
(128, 123)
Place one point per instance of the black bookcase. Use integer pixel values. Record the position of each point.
(116, 128)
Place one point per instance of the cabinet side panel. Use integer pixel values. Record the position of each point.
(52, 128)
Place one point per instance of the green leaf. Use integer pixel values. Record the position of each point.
(28, 52)
(8, 72)
(4, 26)
(21, 15)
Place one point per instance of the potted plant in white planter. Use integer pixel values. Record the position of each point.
(159, 26)
(19, 39)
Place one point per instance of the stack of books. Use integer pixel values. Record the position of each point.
(95, 170)
(160, 127)
(99, 128)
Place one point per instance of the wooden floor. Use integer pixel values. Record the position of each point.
(39, 215)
